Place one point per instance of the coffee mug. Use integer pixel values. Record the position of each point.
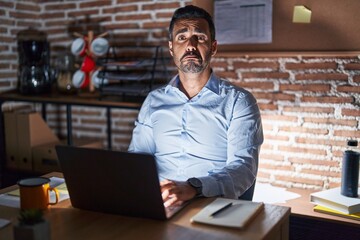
(98, 81)
(99, 46)
(80, 79)
(88, 64)
(35, 193)
(79, 47)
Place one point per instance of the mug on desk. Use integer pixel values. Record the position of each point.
(35, 193)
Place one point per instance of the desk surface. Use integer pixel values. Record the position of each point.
(69, 223)
(302, 207)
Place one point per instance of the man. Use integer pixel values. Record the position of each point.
(204, 132)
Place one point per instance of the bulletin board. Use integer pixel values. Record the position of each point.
(335, 26)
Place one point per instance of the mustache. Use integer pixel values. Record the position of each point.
(192, 53)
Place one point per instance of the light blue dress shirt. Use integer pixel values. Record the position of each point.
(215, 136)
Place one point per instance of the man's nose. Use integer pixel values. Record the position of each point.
(192, 44)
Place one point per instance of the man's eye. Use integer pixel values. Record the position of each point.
(202, 38)
(181, 38)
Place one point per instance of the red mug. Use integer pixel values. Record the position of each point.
(88, 64)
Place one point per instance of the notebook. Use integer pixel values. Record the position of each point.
(228, 213)
(113, 182)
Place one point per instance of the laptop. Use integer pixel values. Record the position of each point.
(113, 182)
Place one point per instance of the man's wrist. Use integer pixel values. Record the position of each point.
(197, 185)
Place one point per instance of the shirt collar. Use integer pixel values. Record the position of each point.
(212, 84)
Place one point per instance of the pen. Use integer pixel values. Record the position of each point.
(221, 209)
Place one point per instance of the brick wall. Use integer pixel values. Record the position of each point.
(310, 107)
(309, 102)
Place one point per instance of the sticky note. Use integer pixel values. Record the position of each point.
(301, 14)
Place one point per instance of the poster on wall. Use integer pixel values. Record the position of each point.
(243, 21)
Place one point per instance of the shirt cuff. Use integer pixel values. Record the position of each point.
(210, 186)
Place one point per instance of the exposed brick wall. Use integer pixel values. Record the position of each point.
(310, 107)
(309, 103)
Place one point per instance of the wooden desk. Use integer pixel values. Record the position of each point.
(306, 224)
(301, 207)
(69, 223)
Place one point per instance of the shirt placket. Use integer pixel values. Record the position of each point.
(184, 140)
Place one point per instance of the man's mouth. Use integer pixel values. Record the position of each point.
(191, 55)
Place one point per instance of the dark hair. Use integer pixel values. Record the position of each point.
(191, 12)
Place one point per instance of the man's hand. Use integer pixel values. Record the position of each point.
(175, 192)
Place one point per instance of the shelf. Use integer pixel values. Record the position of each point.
(132, 70)
(86, 99)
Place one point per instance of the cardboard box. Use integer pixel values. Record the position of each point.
(32, 131)
(45, 159)
(23, 130)
(11, 147)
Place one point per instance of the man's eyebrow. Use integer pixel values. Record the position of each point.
(198, 30)
(182, 30)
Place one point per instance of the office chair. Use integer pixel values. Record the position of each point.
(248, 194)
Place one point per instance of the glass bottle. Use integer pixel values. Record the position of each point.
(350, 170)
(65, 67)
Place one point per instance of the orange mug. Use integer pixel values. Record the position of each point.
(35, 193)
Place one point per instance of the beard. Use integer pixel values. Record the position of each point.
(194, 65)
(191, 66)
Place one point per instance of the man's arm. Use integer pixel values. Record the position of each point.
(245, 137)
(142, 138)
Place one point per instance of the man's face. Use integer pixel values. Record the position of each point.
(191, 45)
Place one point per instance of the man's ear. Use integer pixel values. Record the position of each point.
(213, 48)
(170, 48)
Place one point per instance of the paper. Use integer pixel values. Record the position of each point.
(12, 199)
(301, 15)
(322, 209)
(243, 21)
(332, 198)
(3, 222)
(9, 201)
(267, 193)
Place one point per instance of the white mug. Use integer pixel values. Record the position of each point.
(96, 81)
(99, 46)
(78, 47)
(80, 79)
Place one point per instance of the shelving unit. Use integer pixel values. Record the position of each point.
(8, 177)
(132, 70)
(128, 74)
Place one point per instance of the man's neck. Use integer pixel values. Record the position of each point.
(192, 83)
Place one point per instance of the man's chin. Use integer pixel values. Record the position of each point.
(191, 68)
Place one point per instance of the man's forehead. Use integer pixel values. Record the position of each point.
(197, 24)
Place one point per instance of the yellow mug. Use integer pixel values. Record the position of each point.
(35, 193)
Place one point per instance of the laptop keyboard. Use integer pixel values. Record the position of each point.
(171, 210)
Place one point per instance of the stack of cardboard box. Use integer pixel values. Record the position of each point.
(30, 143)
